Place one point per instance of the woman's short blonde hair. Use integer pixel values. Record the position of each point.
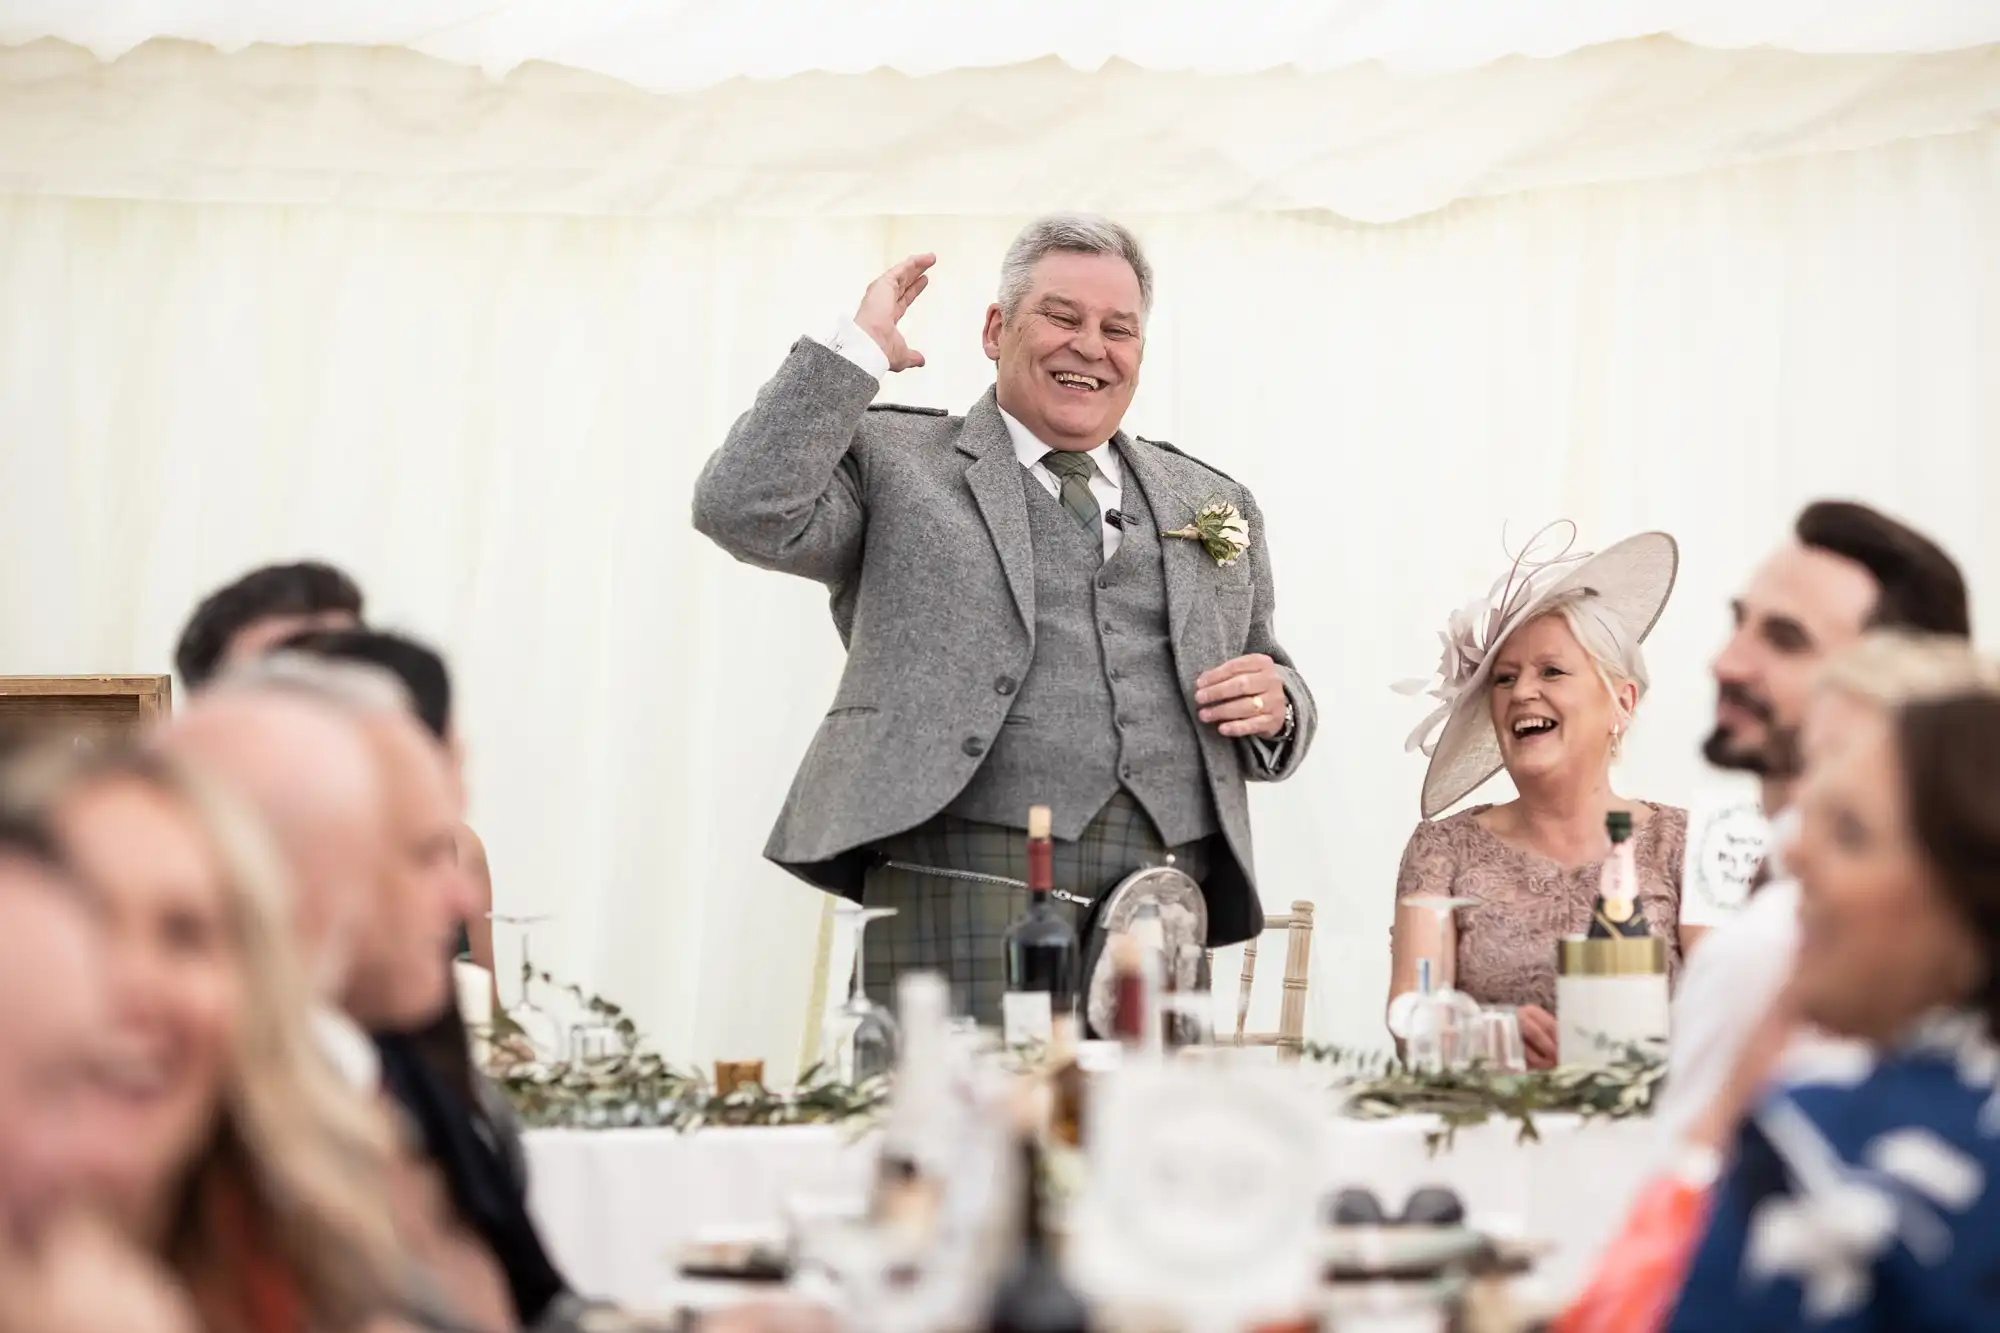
(1610, 645)
(311, 1153)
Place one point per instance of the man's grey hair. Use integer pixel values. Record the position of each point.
(351, 687)
(1069, 233)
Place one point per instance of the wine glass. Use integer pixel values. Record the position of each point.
(1186, 1006)
(537, 1026)
(1435, 1021)
(861, 1037)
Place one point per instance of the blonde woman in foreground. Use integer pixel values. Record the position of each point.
(243, 1163)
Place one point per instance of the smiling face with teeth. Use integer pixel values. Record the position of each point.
(1550, 704)
(176, 974)
(1069, 354)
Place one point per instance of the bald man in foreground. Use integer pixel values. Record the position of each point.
(293, 744)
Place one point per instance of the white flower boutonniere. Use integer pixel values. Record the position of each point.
(1220, 528)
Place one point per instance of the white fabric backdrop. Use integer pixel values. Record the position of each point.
(495, 422)
(384, 128)
(660, 45)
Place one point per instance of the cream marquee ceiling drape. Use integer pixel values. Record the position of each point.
(682, 45)
(383, 127)
(315, 280)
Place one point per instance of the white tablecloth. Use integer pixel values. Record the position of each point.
(616, 1205)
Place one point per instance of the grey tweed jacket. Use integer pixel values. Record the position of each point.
(917, 522)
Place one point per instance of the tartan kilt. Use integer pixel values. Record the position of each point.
(958, 927)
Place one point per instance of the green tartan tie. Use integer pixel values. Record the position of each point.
(1075, 470)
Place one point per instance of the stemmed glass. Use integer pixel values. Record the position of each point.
(1189, 1013)
(861, 1038)
(1435, 1022)
(537, 1026)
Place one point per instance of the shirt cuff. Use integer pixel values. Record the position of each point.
(849, 341)
(1271, 751)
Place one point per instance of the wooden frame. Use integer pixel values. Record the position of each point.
(84, 706)
(1290, 1038)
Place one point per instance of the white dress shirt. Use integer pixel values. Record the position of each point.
(1106, 478)
(1731, 980)
(348, 1048)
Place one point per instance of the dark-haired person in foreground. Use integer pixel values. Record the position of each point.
(257, 612)
(276, 603)
(1848, 569)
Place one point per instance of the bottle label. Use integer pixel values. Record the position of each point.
(1026, 1018)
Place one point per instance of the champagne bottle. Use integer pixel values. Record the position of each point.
(1033, 1296)
(1615, 914)
(1042, 953)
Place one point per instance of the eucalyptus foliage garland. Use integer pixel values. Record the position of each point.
(616, 1083)
(1380, 1087)
(624, 1085)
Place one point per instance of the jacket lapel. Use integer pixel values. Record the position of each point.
(1180, 561)
(995, 478)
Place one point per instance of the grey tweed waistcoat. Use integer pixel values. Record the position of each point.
(1101, 705)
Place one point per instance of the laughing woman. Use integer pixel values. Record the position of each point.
(1543, 680)
(244, 1164)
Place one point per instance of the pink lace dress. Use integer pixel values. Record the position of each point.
(1507, 944)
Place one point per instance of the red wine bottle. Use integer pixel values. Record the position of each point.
(1042, 953)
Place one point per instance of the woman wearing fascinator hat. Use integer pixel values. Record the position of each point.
(1542, 678)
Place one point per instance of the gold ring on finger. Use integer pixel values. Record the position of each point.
(1257, 702)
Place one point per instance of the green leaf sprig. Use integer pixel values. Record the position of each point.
(1377, 1086)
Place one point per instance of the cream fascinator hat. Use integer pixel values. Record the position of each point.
(1631, 580)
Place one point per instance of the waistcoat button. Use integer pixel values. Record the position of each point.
(974, 746)
(1005, 685)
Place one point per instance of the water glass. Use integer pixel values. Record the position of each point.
(1496, 1040)
(1187, 1009)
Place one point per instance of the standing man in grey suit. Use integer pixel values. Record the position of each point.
(1022, 626)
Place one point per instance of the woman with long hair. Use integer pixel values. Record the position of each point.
(1872, 1199)
(245, 1164)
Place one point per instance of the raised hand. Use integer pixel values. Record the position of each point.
(884, 304)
